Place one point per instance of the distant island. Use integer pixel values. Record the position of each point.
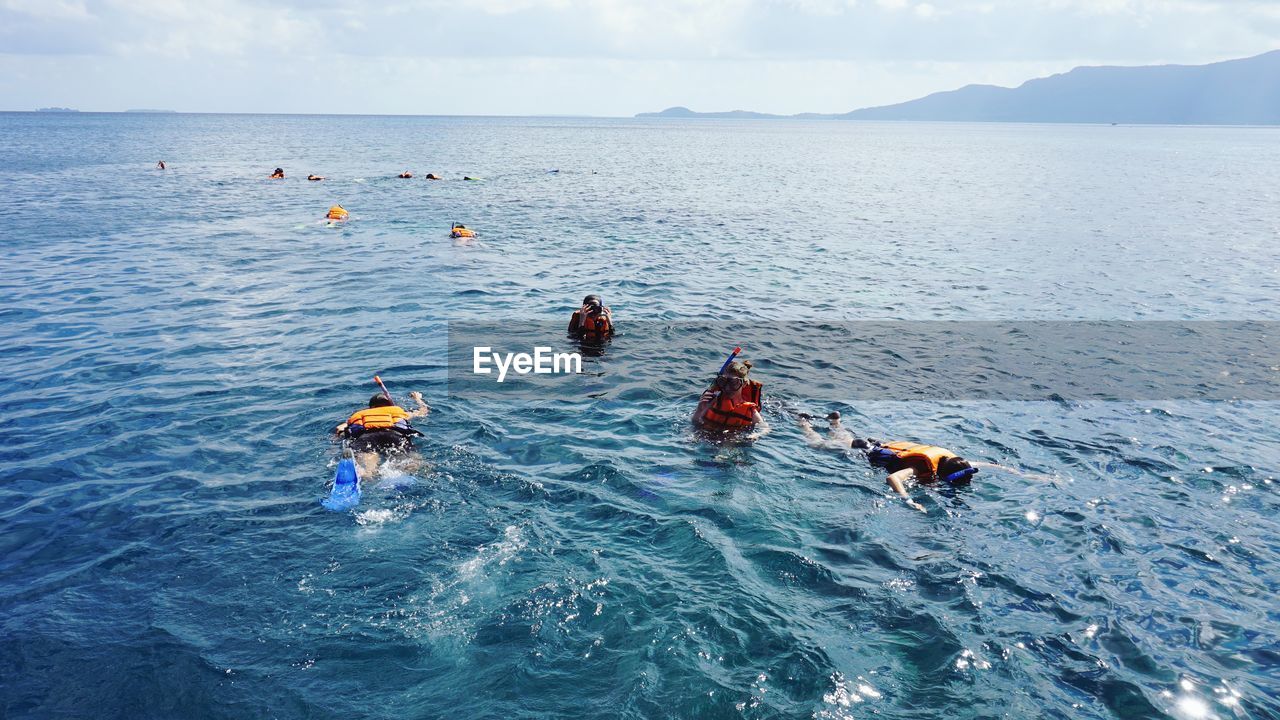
(148, 110)
(1234, 92)
(57, 109)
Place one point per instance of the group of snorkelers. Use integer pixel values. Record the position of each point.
(278, 174)
(732, 404)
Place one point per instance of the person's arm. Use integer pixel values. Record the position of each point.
(704, 402)
(898, 481)
(423, 408)
(575, 322)
(761, 425)
(608, 315)
(1019, 473)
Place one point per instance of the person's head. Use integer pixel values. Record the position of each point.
(955, 470)
(734, 377)
(279, 171)
(379, 401)
(592, 303)
(833, 417)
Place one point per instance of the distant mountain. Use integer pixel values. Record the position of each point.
(1235, 92)
(150, 111)
(57, 109)
(684, 112)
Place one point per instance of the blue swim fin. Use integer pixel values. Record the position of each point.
(346, 487)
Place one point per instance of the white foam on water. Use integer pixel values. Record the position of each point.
(378, 516)
(845, 695)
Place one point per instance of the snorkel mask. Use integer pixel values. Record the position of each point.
(959, 477)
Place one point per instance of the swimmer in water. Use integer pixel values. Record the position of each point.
(732, 402)
(593, 322)
(160, 165)
(382, 431)
(405, 175)
(278, 174)
(315, 178)
(433, 176)
(906, 462)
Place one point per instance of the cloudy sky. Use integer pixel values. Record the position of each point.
(591, 57)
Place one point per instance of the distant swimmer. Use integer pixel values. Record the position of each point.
(405, 175)
(593, 322)
(433, 176)
(382, 431)
(314, 178)
(458, 230)
(337, 213)
(732, 402)
(161, 166)
(468, 177)
(905, 461)
(278, 174)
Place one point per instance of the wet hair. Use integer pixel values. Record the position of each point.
(833, 415)
(952, 465)
(738, 368)
(593, 300)
(280, 170)
(379, 401)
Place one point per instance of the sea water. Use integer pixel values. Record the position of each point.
(178, 345)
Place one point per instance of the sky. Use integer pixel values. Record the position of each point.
(583, 57)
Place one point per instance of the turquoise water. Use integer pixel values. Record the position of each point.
(179, 343)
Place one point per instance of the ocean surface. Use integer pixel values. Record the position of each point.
(178, 344)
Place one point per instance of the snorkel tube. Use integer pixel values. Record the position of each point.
(385, 394)
(729, 361)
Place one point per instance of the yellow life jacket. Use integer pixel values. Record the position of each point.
(337, 212)
(379, 418)
(923, 459)
(726, 413)
(461, 232)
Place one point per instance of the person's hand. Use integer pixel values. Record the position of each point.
(917, 506)
(707, 396)
(340, 429)
(416, 395)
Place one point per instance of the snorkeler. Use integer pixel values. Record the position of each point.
(732, 402)
(314, 178)
(433, 176)
(160, 165)
(593, 322)
(337, 213)
(277, 175)
(905, 461)
(382, 431)
(405, 175)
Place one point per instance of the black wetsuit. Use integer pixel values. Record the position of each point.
(382, 441)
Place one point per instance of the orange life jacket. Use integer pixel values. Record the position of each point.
(923, 459)
(337, 212)
(594, 327)
(379, 418)
(726, 413)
